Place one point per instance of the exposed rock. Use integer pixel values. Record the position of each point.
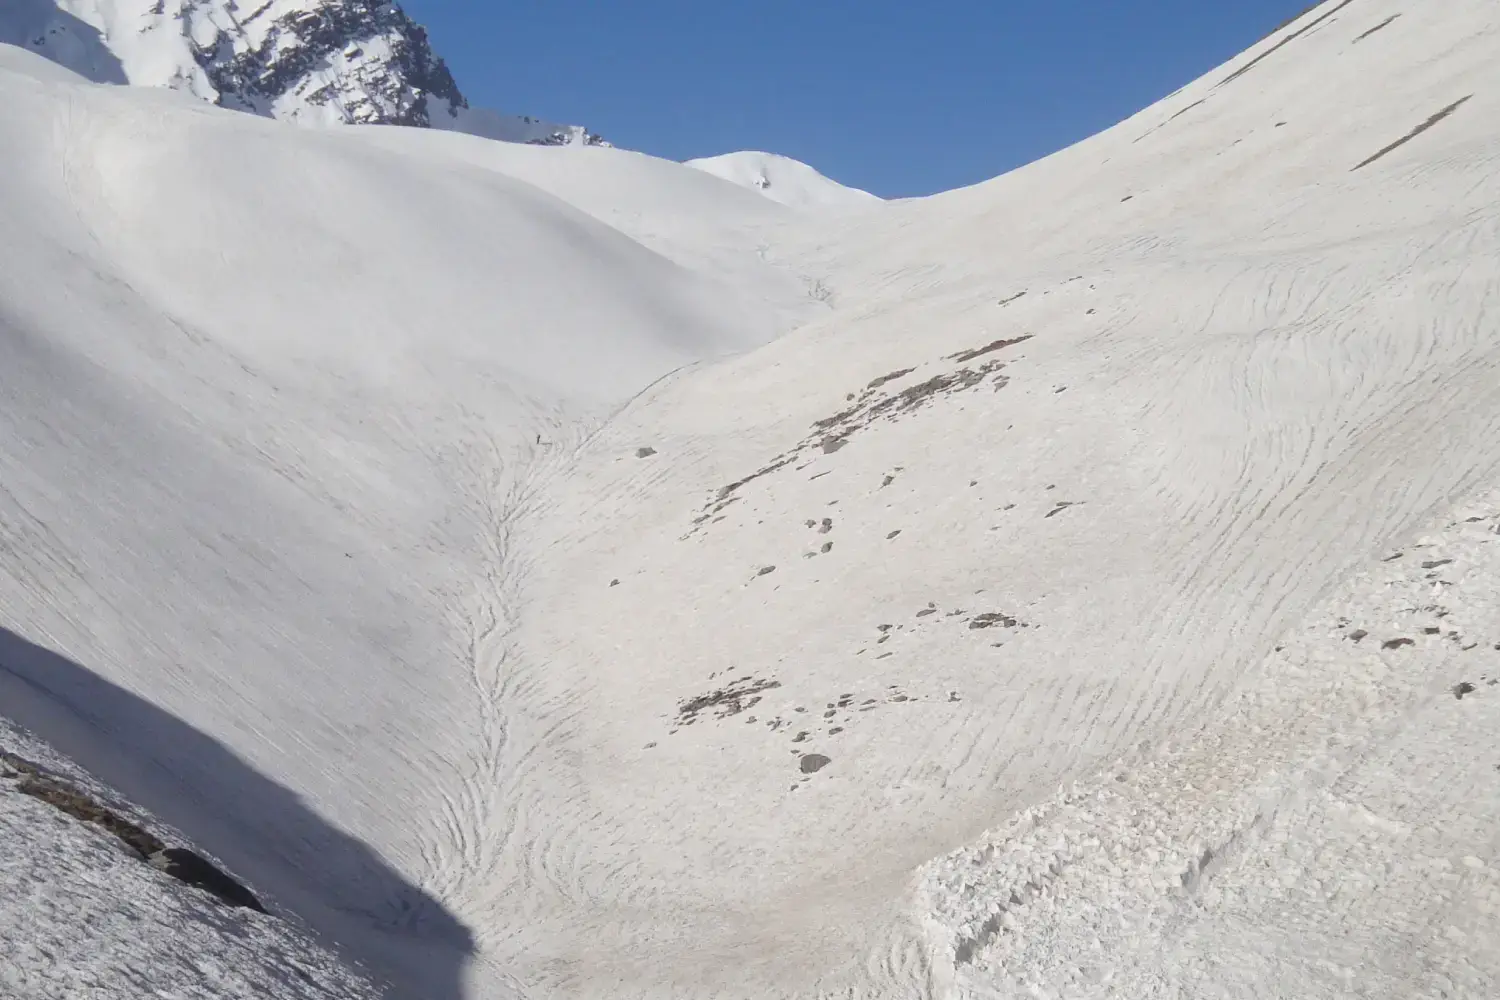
(812, 763)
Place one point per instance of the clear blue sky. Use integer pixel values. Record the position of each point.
(894, 96)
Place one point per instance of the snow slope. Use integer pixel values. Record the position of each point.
(784, 180)
(1034, 506)
(400, 523)
(270, 396)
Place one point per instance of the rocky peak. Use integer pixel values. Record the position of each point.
(359, 62)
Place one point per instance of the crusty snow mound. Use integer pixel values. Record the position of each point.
(1091, 592)
(312, 61)
(783, 179)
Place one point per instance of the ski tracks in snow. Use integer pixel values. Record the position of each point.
(478, 845)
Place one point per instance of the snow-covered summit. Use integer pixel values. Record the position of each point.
(359, 62)
(783, 179)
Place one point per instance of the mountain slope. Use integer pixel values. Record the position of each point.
(269, 414)
(1078, 449)
(1091, 595)
(784, 180)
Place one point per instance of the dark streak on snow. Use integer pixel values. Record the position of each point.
(1377, 27)
(1289, 38)
(1408, 137)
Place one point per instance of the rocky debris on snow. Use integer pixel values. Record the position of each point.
(873, 403)
(645, 452)
(963, 357)
(730, 700)
(990, 619)
(181, 863)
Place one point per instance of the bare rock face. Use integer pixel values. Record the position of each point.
(363, 62)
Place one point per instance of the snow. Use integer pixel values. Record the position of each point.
(784, 180)
(144, 932)
(558, 572)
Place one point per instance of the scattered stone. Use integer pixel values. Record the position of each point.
(826, 526)
(1459, 690)
(615, 582)
(764, 570)
(892, 534)
(926, 611)
(1357, 635)
(827, 548)
(812, 763)
(1435, 563)
(645, 452)
(1396, 643)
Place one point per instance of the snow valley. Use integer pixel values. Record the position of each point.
(1081, 584)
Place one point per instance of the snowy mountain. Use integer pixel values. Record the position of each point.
(783, 179)
(313, 61)
(564, 573)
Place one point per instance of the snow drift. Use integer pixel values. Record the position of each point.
(784, 180)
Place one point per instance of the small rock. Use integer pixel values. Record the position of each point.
(197, 871)
(1459, 690)
(812, 763)
(1357, 635)
(614, 582)
(645, 452)
(764, 570)
(1396, 643)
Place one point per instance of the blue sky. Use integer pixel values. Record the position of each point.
(899, 98)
